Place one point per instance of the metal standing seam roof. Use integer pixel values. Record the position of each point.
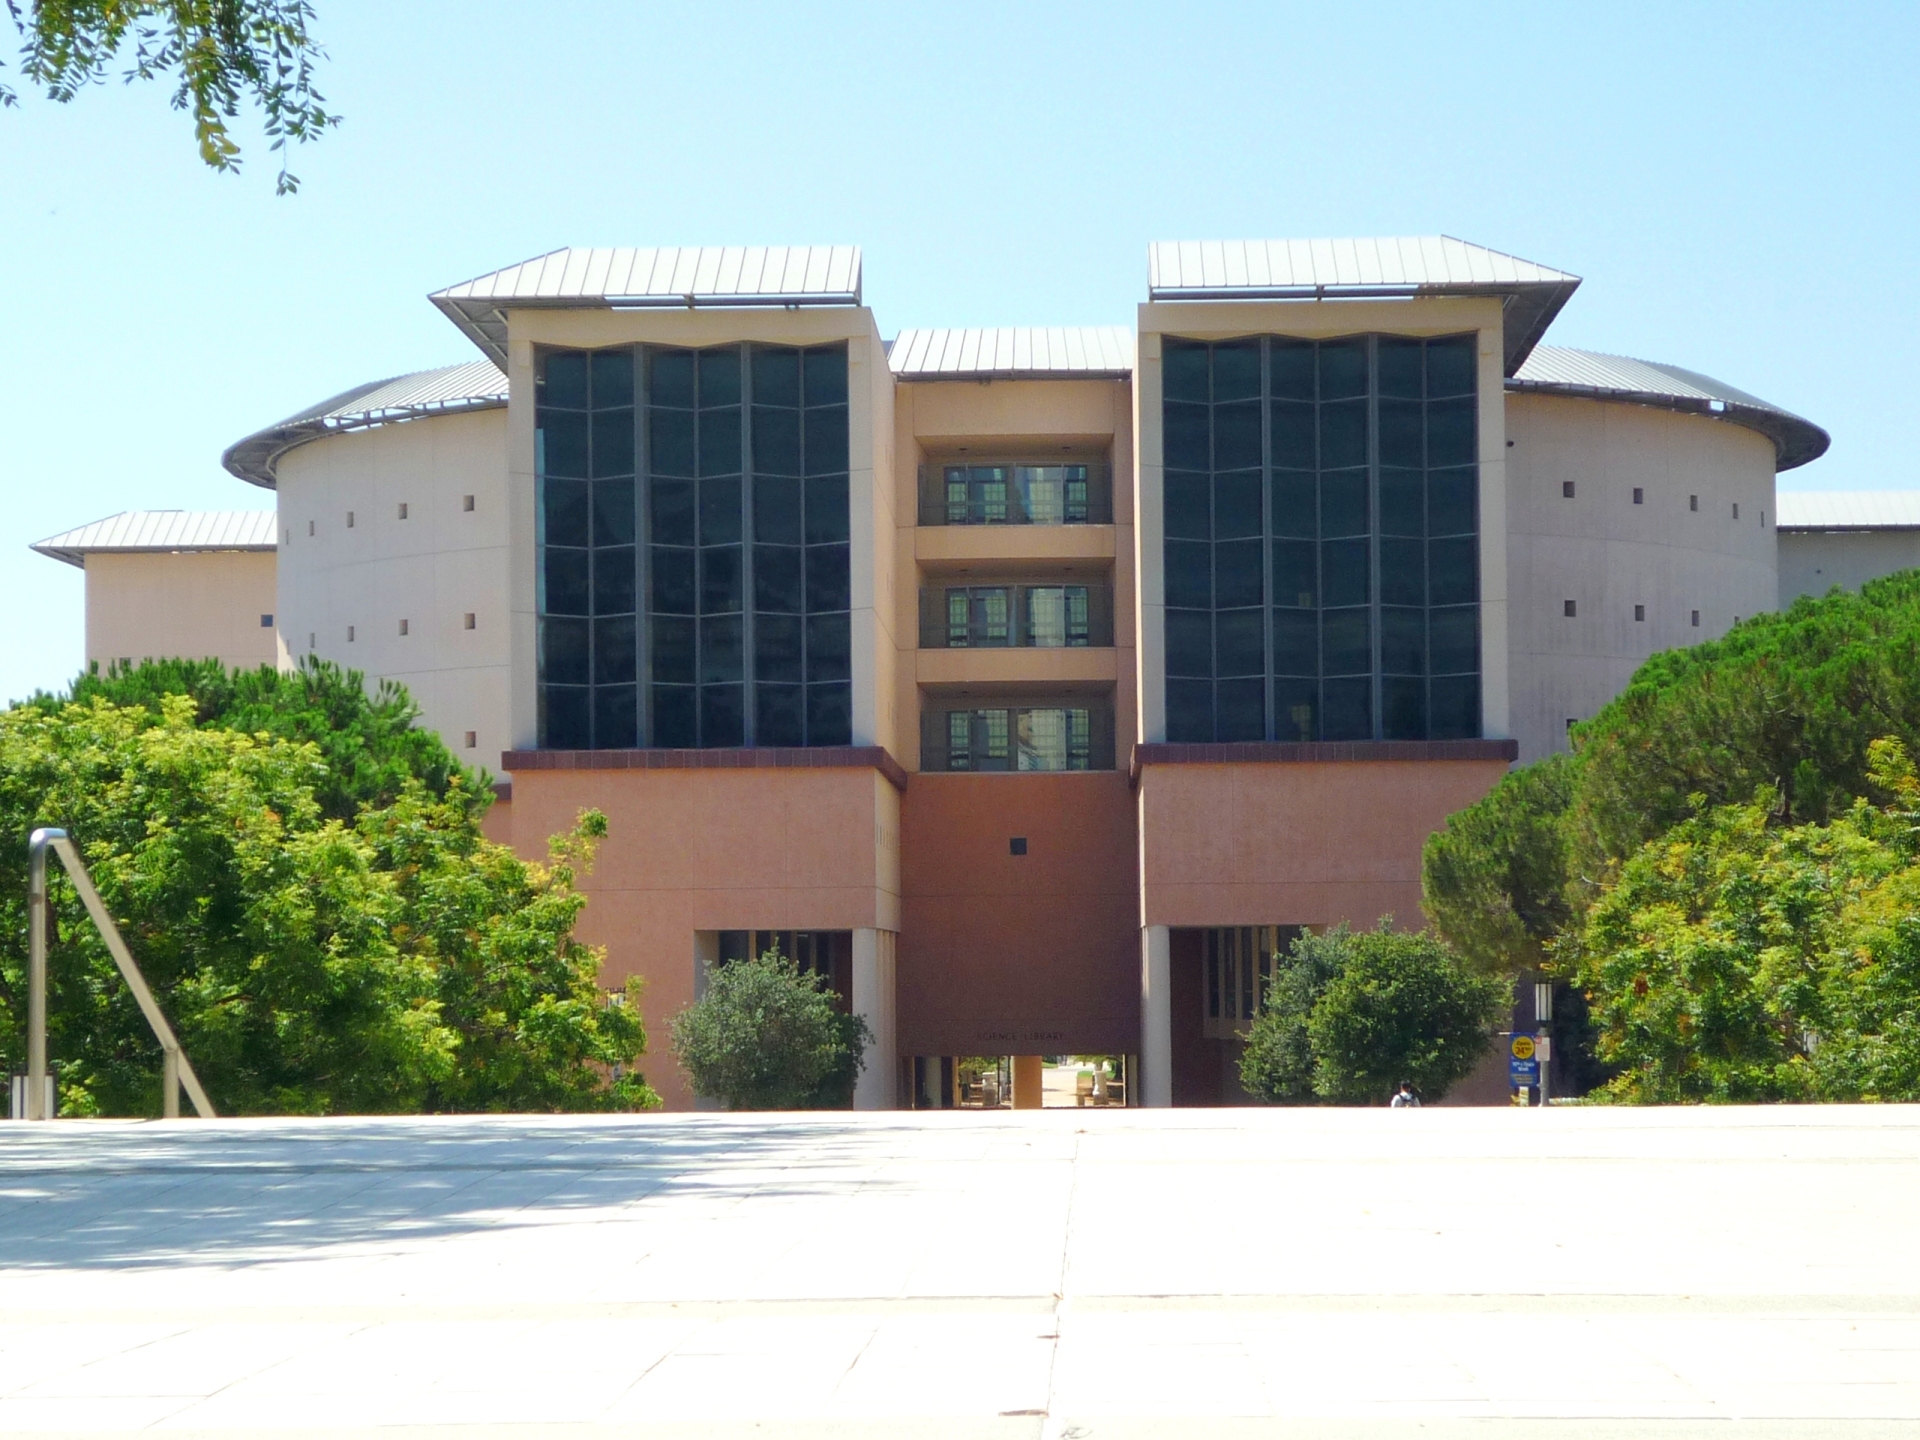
(689, 275)
(1554, 369)
(1363, 269)
(450, 390)
(163, 531)
(1848, 510)
(1078, 352)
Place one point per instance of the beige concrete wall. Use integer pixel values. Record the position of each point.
(1024, 420)
(870, 455)
(432, 569)
(1321, 320)
(701, 850)
(1812, 562)
(1608, 555)
(189, 604)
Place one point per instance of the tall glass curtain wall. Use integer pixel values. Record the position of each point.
(1322, 553)
(693, 537)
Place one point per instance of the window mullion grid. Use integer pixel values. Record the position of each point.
(1266, 532)
(1319, 562)
(1213, 551)
(642, 553)
(749, 702)
(1373, 530)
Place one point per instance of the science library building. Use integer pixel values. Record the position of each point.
(1030, 684)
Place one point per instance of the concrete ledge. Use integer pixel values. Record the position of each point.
(1319, 752)
(766, 757)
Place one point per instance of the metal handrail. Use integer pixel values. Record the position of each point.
(176, 1069)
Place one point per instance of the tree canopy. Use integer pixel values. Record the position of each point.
(1348, 1016)
(1719, 864)
(1789, 701)
(386, 959)
(1740, 960)
(218, 53)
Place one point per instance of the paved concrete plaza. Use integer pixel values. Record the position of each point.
(1441, 1273)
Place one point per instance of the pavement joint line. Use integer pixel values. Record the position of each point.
(1814, 1307)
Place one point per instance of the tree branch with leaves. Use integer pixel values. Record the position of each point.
(219, 53)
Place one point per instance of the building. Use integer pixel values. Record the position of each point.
(1845, 538)
(1030, 683)
(177, 584)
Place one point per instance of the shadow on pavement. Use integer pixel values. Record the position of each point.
(79, 1195)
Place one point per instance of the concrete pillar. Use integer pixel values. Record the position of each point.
(1155, 1083)
(873, 991)
(1028, 1081)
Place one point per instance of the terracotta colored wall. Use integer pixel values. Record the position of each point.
(711, 849)
(1295, 844)
(1006, 954)
(1196, 1059)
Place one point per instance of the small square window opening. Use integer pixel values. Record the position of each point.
(473, 739)
(1736, 509)
(309, 527)
(403, 509)
(349, 519)
(1639, 496)
(1570, 722)
(403, 627)
(466, 502)
(1696, 618)
(466, 621)
(1017, 845)
(266, 622)
(1566, 489)
(1639, 612)
(349, 634)
(1693, 502)
(1569, 609)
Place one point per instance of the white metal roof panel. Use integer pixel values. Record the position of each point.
(1363, 268)
(1554, 369)
(161, 531)
(624, 277)
(1058, 352)
(1849, 509)
(449, 390)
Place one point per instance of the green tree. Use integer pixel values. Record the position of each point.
(1736, 959)
(219, 53)
(768, 1036)
(1349, 1016)
(1277, 1064)
(372, 743)
(1788, 702)
(394, 961)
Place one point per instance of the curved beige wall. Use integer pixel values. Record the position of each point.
(1608, 555)
(431, 569)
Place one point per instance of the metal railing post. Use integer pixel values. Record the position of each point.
(175, 1069)
(37, 971)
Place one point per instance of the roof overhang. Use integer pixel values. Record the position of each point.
(1556, 370)
(450, 390)
(1365, 269)
(661, 278)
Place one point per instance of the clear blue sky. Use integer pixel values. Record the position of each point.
(1735, 182)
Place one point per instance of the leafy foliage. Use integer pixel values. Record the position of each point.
(1349, 1016)
(393, 960)
(370, 744)
(1788, 702)
(1739, 960)
(767, 1036)
(219, 52)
